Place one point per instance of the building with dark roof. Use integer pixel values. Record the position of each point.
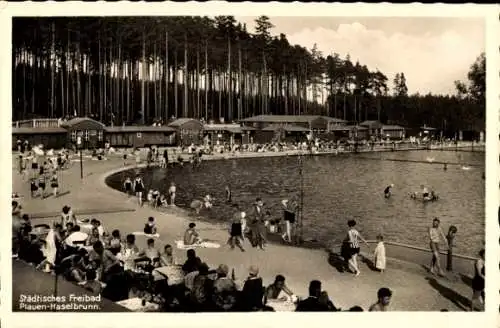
(316, 123)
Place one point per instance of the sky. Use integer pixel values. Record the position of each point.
(432, 52)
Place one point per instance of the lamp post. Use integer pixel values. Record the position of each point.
(79, 145)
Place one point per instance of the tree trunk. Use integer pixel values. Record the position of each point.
(129, 72)
(185, 110)
(100, 81)
(167, 77)
(207, 82)
(198, 105)
(229, 91)
(240, 85)
(119, 105)
(176, 76)
(143, 77)
(155, 67)
(52, 69)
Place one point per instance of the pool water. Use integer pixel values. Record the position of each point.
(342, 187)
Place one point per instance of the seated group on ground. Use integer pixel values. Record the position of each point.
(117, 269)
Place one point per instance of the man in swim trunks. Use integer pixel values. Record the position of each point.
(191, 236)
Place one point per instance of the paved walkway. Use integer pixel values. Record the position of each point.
(414, 290)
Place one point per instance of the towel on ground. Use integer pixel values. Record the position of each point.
(142, 233)
(203, 244)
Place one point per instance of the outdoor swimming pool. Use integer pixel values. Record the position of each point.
(338, 188)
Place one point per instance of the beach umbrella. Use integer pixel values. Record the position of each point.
(76, 238)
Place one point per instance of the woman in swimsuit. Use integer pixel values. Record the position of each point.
(138, 188)
(41, 185)
(478, 282)
(54, 183)
(436, 235)
(354, 238)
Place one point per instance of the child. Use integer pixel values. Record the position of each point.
(156, 197)
(150, 226)
(150, 197)
(162, 201)
(127, 185)
(171, 192)
(380, 254)
(33, 187)
(451, 243)
(54, 183)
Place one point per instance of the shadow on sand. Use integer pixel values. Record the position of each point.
(456, 298)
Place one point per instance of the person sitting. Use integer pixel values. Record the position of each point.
(191, 236)
(253, 291)
(150, 226)
(224, 296)
(93, 237)
(312, 303)
(276, 290)
(383, 300)
(152, 253)
(202, 289)
(115, 243)
(192, 263)
(324, 299)
(167, 258)
(91, 284)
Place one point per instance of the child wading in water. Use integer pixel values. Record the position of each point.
(379, 254)
(127, 185)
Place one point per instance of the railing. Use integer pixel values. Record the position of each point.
(462, 264)
(37, 123)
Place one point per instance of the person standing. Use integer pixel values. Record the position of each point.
(379, 254)
(354, 238)
(54, 183)
(258, 225)
(436, 235)
(478, 282)
(236, 230)
(450, 237)
(138, 188)
(42, 185)
(165, 157)
(289, 218)
(172, 191)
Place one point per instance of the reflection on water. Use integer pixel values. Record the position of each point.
(338, 188)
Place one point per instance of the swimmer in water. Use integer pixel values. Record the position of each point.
(425, 192)
(388, 190)
(127, 185)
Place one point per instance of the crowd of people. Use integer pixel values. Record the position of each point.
(84, 253)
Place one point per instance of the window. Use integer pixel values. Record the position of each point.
(99, 135)
(86, 134)
(73, 136)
